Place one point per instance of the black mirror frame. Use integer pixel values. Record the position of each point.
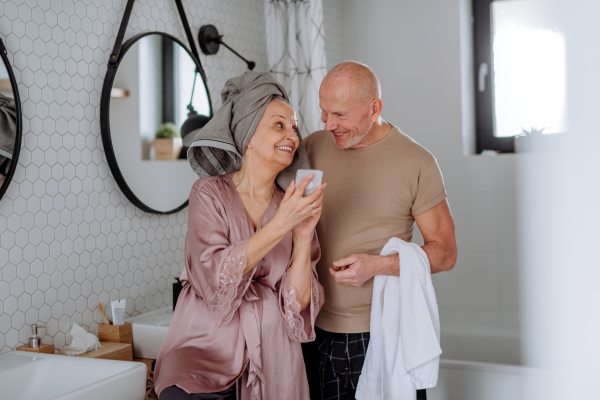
(105, 119)
(19, 133)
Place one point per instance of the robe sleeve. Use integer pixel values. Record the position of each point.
(301, 324)
(214, 267)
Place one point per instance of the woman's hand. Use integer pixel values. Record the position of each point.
(305, 229)
(293, 211)
(300, 214)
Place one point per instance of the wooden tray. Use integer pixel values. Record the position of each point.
(112, 351)
(44, 348)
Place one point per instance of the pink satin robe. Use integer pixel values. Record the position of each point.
(226, 325)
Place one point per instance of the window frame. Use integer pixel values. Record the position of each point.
(484, 101)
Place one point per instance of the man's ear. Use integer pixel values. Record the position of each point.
(376, 108)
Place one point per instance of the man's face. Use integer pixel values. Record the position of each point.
(345, 115)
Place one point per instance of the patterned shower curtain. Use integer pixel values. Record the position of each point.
(296, 53)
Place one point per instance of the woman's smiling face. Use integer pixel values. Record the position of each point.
(276, 139)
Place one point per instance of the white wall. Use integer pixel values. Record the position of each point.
(68, 236)
(558, 192)
(333, 17)
(415, 48)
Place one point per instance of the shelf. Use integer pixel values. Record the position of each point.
(5, 86)
(117, 93)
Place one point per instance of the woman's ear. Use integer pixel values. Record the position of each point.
(249, 145)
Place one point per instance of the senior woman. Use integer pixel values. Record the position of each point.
(250, 291)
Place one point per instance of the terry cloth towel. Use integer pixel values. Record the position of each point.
(404, 352)
(219, 146)
(8, 127)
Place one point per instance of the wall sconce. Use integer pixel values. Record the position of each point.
(210, 41)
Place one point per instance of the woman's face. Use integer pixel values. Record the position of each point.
(275, 140)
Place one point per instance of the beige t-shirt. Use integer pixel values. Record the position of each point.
(373, 194)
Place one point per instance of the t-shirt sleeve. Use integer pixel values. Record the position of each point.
(430, 190)
(307, 140)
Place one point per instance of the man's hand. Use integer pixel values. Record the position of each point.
(437, 227)
(356, 269)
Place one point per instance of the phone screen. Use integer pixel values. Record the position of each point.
(314, 183)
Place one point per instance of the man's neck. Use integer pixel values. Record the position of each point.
(379, 130)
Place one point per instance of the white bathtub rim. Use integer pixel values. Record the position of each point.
(139, 319)
(492, 367)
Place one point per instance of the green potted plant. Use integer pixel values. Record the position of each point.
(167, 144)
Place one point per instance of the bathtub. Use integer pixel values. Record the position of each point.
(480, 364)
(469, 380)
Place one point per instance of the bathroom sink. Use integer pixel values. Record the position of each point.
(25, 375)
(149, 331)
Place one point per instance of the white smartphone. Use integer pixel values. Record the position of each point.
(314, 183)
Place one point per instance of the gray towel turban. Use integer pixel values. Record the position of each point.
(8, 131)
(219, 146)
(8, 126)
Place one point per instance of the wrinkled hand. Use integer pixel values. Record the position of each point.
(305, 229)
(300, 214)
(355, 270)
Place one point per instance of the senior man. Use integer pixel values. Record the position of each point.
(380, 182)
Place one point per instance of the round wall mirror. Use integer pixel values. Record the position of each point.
(146, 99)
(10, 122)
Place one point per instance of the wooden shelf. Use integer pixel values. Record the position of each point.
(44, 348)
(148, 362)
(150, 375)
(111, 351)
(117, 93)
(5, 86)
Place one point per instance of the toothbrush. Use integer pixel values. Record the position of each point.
(101, 308)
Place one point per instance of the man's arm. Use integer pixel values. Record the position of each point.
(437, 227)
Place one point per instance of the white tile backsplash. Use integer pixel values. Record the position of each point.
(68, 237)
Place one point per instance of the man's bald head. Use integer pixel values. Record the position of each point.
(350, 101)
(355, 76)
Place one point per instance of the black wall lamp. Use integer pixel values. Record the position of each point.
(210, 41)
(194, 121)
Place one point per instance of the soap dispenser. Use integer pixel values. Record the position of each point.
(35, 342)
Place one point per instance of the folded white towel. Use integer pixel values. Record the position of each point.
(404, 350)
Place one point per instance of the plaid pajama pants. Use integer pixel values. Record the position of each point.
(334, 362)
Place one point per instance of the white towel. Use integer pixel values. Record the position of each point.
(404, 350)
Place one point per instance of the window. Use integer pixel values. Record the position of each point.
(520, 79)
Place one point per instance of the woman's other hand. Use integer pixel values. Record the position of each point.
(308, 210)
(300, 214)
(293, 211)
(304, 230)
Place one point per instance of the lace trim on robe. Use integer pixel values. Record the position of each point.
(293, 319)
(232, 284)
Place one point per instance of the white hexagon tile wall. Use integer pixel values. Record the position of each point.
(68, 237)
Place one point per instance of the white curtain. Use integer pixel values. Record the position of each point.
(296, 53)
